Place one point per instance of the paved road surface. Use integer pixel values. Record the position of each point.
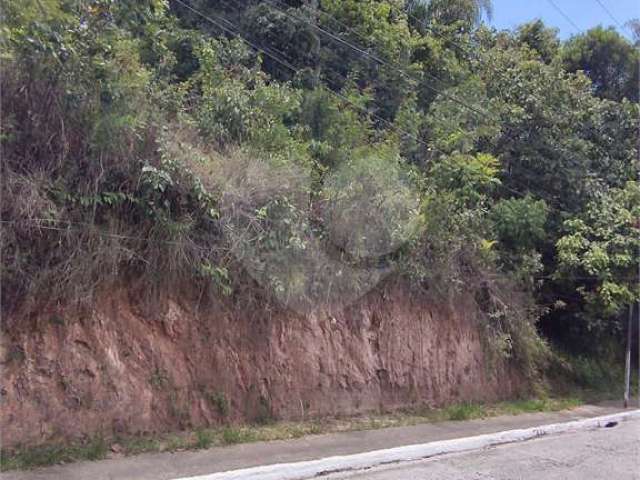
(167, 466)
(605, 454)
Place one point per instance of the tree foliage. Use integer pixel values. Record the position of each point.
(609, 60)
(229, 140)
(601, 247)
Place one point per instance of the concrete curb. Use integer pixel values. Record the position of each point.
(316, 468)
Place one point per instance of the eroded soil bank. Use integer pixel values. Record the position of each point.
(124, 369)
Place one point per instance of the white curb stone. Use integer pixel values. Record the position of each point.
(315, 468)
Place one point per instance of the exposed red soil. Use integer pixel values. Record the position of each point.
(123, 370)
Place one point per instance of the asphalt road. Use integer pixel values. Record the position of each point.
(604, 454)
(167, 466)
(607, 453)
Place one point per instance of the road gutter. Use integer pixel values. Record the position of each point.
(363, 461)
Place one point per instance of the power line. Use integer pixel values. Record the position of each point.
(289, 66)
(484, 114)
(608, 12)
(566, 17)
(342, 97)
(361, 50)
(408, 13)
(611, 16)
(377, 59)
(295, 70)
(339, 95)
(334, 37)
(550, 201)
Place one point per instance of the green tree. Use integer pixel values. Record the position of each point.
(608, 59)
(466, 13)
(600, 252)
(520, 223)
(540, 38)
(561, 144)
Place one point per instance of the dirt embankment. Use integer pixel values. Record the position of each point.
(124, 370)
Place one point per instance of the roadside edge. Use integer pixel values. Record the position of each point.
(325, 466)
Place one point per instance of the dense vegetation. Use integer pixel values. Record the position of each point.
(305, 151)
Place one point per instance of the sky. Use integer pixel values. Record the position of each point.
(585, 14)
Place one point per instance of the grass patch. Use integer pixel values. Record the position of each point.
(175, 443)
(204, 439)
(137, 445)
(233, 435)
(593, 380)
(540, 405)
(28, 458)
(465, 411)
